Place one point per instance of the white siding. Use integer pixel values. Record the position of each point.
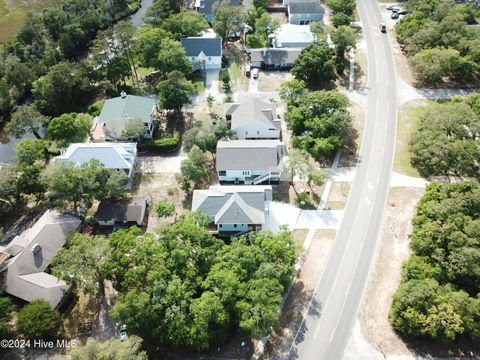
(257, 130)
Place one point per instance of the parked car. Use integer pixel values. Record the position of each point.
(255, 73)
(122, 334)
(247, 70)
(394, 16)
(390, 7)
(396, 9)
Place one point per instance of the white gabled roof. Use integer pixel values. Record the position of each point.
(112, 155)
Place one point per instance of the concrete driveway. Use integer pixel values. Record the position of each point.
(159, 164)
(212, 82)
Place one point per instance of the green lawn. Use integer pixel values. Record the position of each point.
(13, 14)
(408, 120)
(198, 81)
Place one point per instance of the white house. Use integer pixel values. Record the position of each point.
(293, 36)
(204, 52)
(234, 210)
(115, 156)
(253, 119)
(251, 162)
(117, 112)
(305, 12)
(274, 58)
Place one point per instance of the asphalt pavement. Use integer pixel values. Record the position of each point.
(332, 312)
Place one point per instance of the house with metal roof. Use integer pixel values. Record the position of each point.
(206, 7)
(205, 51)
(250, 162)
(24, 261)
(234, 210)
(120, 212)
(114, 156)
(117, 112)
(252, 119)
(305, 12)
(293, 36)
(274, 58)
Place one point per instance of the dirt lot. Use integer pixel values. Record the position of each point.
(271, 80)
(394, 250)
(300, 294)
(337, 199)
(286, 193)
(360, 68)
(158, 187)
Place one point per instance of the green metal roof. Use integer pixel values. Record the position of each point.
(116, 111)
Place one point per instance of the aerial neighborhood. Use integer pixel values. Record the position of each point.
(226, 179)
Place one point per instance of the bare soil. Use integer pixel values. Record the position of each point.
(337, 199)
(300, 295)
(271, 80)
(394, 250)
(157, 187)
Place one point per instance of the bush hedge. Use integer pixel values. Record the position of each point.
(165, 144)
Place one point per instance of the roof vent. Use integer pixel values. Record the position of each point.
(123, 94)
(36, 248)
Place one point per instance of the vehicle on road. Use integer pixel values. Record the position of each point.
(255, 73)
(122, 334)
(394, 16)
(383, 28)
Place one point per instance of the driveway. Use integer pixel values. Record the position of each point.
(159, 164)
(281, 214)
(212, 82)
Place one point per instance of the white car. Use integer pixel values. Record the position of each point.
(255, 73)
(122, 334)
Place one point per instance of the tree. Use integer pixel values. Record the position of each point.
(341, 19)
(321, 123)
(174, 91)
(31, 151)
(64, 88)
(82, 262)
(6, 314)
(162, 10)
(26, 119)
(315, 64)
(342, 6)
(210, 101)
(193, 169)
(344, 38)
(172, 57)
(134, 129)
(265, 24)
(292, 92)
(317, 177)
(74, 185)
(69, 128)
(164, 209)
(186, 23)
(431, 65)
(38, 320)
(260, 4)
(227, 19)
(297, 163)
(6, 101)
(114, 348)
(124, 35)
(148, 44)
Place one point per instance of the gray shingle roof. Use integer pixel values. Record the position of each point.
(249, 155)
(305, 7)
(275, 56)
(209, 46)
(206, 6)
(23, 273)
(233, 204)
(129, 210)
(250, 110)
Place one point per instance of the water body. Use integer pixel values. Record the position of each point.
(137, 18)
(7, 143)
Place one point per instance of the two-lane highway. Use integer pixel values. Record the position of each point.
(331, 315)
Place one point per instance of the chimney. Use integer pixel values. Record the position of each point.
(123, 94)
(36, 248)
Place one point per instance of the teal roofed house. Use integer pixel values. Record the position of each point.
(117, 112)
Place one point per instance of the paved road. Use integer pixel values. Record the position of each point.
(330, 318)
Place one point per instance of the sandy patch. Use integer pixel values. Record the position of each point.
(337, 199)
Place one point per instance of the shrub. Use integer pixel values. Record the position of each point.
(38, 320)
(164, 209)
(166, 144)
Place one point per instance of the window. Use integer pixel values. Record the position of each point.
(220, 225)
(246, 172)
(258, 132)
(222, 173)
(246, 132)
(234, 225)
(302, 22)
(209, 58)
